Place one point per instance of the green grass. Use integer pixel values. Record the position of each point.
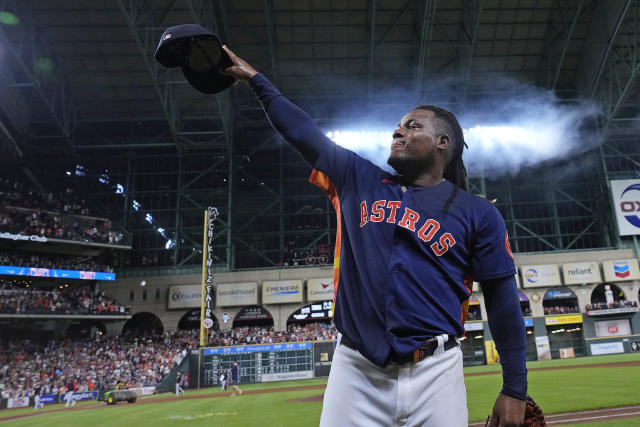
(555, 390)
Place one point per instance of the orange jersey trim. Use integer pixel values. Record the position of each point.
(323, 181)
(468, 284)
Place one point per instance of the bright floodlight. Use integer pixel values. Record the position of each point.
(357, 140)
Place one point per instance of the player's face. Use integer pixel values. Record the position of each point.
(414, 144)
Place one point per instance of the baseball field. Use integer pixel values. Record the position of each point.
(570, 391)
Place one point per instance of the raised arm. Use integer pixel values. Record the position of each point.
(287, 118)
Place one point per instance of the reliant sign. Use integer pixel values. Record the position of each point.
(278, 292)
(537, 276)
(184, 296)
(626, 204)
(621, 270)
(581, 272)
(237, 294)
(319, 289)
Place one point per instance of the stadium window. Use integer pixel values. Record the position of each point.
(144, 295)
(131, 293)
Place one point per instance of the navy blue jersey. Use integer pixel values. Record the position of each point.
(404, 267)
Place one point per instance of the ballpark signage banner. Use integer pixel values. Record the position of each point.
(32, 238)
(542, 348)
(607, 348)
(626, 204)
(581, 272)
(621, 270)
(17, 402)
(237, 294)
(83, 395)
(612, 328)
(473, 326)
(563, 320)
(319, 289)
(184, 296)
(282, 291)
(322, 357)
(537, 276)
(207, 291)
(11, 270)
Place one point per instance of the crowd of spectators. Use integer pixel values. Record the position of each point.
(17, 300)
(22, 259)
(266, 335)
(26, 211)
(90, 365)
(54, 226)
(561, 309)
(615, 304)
(14, 193)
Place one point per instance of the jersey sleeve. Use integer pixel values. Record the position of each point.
(342, 167)
(491, 256)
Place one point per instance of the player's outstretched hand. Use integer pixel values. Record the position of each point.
(507, 412)
(240, 70)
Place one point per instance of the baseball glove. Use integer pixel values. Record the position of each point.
(533, 416)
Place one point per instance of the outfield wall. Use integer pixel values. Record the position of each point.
(156, 297)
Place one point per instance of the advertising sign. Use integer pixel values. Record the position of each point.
(563, 320)
(17, 402)
(576, 273)
(543, 348)
(473, 326)
(237, 294)
(207, 292)
(612, 328)
(32, 238)
(560, 292)
(320, 289)
(621, 270)
(607, 348)
(282, 291)
(625, 195)
(535, 276)
(83, 395)
(11, 270)
(635, 345)
(493, 357)
(47, 399)
(322, 357)
(184, 296)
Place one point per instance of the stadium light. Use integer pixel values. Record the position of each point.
(136, 205)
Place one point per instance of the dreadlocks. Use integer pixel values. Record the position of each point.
(455, 170)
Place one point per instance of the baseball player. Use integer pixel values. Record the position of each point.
(179, 388)
(407, 251)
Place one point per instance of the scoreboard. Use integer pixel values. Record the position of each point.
(267, 362)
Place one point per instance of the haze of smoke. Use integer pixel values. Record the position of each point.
(523, 126)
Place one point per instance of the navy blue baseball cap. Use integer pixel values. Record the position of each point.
(199, 52)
